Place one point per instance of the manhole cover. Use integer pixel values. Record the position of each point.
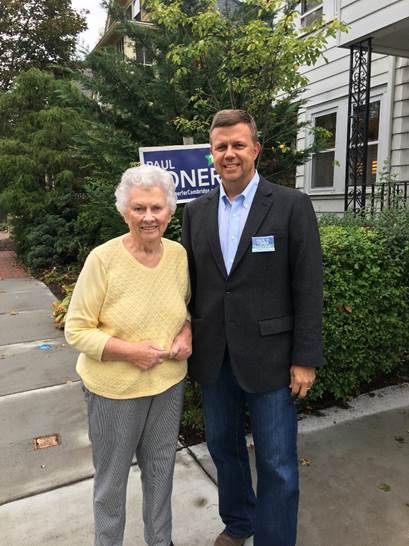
(41, 442)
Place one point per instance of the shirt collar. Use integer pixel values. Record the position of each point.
(246, 195)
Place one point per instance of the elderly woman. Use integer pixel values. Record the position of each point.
(128, 318)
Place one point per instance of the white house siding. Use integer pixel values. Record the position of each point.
(400, 122)
(328, 92)
(365, 17)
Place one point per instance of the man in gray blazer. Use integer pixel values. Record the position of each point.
(256, 273)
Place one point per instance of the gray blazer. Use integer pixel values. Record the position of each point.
(268, 310)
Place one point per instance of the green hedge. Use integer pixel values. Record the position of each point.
(366, 308)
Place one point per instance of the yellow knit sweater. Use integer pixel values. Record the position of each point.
(116, 295)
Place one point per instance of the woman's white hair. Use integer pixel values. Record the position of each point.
(145, 176)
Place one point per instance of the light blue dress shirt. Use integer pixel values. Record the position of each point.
(232, 218)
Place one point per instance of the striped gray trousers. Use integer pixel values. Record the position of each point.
(118, 429)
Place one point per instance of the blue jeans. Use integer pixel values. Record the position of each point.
(272, 516)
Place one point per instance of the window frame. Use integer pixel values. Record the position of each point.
(314, 117)
(340, 105)
(120, 46)
(306, 13)
(136, 12)
(141, 52)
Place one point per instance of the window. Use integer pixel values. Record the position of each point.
(144, 55)
(323, 161)
(311, 10)
(136, 9)
(373, 136)
(120, 46)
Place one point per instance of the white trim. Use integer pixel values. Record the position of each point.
(136, 8)
(340, 107)
(311, 116)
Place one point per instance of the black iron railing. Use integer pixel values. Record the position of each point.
(380, 196)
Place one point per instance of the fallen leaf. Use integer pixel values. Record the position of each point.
(13, 312)
(344, 307)
(384, 487)
(305, 462)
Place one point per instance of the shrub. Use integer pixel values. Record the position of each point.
(191, 426)
(366, 308)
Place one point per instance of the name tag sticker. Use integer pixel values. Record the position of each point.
(263, 244)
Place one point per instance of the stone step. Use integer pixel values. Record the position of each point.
(36, 364)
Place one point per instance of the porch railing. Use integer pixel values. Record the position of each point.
(382, 195)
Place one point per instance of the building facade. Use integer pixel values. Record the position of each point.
(135, 12)
(123, 45)
(360, 94)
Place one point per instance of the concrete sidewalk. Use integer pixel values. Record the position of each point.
(353, 463)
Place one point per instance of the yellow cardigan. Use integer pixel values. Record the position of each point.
(116, 295)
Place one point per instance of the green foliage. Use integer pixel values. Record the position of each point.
(366, 306)
(392, 224)
(39, 177)
(36, 33)
(174, 230)
(59, 165)
(206, 60)
(245, 57)
(191, 426)
(98, 220)
(393, 227)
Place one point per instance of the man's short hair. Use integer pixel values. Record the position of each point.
(228, 118)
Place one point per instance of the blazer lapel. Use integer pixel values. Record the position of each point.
(261, 204)
(212, 218)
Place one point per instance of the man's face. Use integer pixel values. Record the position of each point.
(234, 153)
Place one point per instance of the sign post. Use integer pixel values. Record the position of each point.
(191, 167)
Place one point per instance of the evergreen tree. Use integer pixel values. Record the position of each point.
(36, 33)
(58, 166)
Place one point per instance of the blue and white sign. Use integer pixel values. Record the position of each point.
(190, 166)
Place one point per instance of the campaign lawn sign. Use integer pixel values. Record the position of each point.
(191, 167)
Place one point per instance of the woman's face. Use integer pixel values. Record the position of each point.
(147, 214)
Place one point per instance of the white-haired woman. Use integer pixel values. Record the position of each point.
(128, 318)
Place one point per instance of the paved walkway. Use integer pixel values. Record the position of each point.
(353, 463)
(9, 269)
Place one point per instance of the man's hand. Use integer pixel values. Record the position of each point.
(181, 347)
(302, 379)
